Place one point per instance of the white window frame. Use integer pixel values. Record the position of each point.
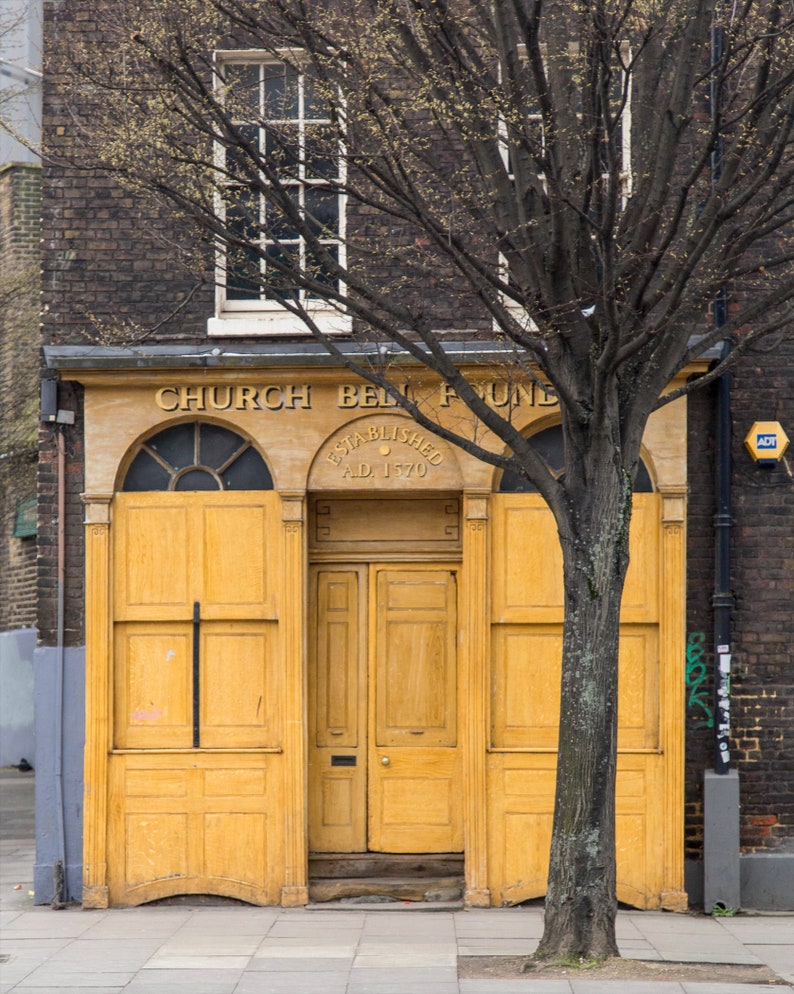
(269, 317)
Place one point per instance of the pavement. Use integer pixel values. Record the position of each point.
(236, 949)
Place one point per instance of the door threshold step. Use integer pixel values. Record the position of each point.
(366, 891)
(377, 865)
(355, 904)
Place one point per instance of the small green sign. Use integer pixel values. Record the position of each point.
(25, 518)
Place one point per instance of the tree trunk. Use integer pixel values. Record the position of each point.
(581, 902)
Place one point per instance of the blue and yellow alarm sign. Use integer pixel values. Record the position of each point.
(766, 442)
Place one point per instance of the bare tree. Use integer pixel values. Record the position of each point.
(585, 178)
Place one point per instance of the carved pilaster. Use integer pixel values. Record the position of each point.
(475, 656)
(672, 649)
(99, 661)
(295, 891)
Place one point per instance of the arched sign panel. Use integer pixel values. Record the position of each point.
(385, 452)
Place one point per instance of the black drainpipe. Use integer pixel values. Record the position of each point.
(722, 599)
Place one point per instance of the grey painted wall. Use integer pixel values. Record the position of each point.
(52, 782)
(17, 735)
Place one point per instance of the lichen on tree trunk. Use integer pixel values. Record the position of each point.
(581, 902)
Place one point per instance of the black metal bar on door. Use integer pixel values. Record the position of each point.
(196, 673)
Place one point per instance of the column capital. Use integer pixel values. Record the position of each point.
(475, 504)
(673, 505)
(97, 508)
(293, 506)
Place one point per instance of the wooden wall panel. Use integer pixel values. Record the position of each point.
(153, 696)
(154, 572)
(195, 822)
(527, 566)
(521, 805)
(238, 691)
(525, 703)
(526, 639)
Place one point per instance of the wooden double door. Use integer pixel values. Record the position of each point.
(384, 764)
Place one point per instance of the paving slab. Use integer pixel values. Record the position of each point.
(701, 988)
(779, 957)
(298, 950)
(302, 983)
(281, 964)
(184, 982)
(625, 987)
(522, 986)
(70, 990)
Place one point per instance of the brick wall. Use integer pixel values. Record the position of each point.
(763, 576)
(20, 207)
(699, 662)
(762, 582)
(112, 269)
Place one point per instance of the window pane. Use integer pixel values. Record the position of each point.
(248, 472)
(314, 107)
(643, 483)
(239, 161)
(512, 483)
(197, 479)
(242, 261)
(322, 152)
(145, 473)
(549, 446)
(282, 149)
(242, 96)
(280, 285)
(278, 227)
(290, 130)
(217, 445)
(176, 445)
(318, 272)
(322, 211)
(281, 93)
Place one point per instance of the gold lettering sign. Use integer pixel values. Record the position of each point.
(496, 393)
(500, 393)
(385, 453)
(233, 397)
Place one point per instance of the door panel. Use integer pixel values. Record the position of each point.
(236, 540)
(414, 654)
(152, 687)
(414, 790)
(384, 771)
(415, 803)
(153, 558)
(235, 697)
(337, 710)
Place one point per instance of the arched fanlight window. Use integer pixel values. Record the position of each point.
(549, 446)
(197, 456)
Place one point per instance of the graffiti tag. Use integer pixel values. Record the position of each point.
(696, 680)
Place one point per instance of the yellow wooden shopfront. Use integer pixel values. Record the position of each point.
(313, 626)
